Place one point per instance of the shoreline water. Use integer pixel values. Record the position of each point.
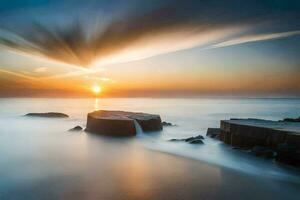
(34, 150)
(160, 176)
(292, 176)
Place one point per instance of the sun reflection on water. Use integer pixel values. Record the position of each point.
(96, 104)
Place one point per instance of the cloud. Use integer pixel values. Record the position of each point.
(41, 69)
(18, 74)
(105, 79)
(256, 38)
(83, 45)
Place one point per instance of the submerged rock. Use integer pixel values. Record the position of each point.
(242, 148)
(192, 140)
(196, 141)
(121, 123)
(263, 152)
(48, 114)
(76, 128)
(167, 124)
(177, 140)
(289, 154)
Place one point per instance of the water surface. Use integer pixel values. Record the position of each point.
(40, 158)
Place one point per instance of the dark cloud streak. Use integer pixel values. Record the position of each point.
(71, 44)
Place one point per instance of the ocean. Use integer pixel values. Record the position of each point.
(40, 156)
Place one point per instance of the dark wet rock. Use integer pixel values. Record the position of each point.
(177, 140)
(48, 115)
(213, 132)
(76, 128)
(167, 124)
(192, 140)
(241, 148)
(293, 139)
(196, 141)
(263, 152)
(279, 139)
(289, 154)
(291, 119)
(258, 132)
(121, 123)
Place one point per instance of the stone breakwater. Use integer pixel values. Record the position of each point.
(257, 132)
(280, 136)
(121, 123)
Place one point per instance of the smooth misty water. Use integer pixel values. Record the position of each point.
(38, 152)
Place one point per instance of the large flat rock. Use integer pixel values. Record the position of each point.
(281, 136)
(121, 123)
(47, 115)
(252, 132)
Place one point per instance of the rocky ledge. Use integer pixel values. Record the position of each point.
(48, 114)
(213, 132)
(291, 120)
(121, 123)
(264, 137)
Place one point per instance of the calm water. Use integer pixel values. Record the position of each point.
(36, 153)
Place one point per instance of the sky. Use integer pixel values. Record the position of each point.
(150, 48)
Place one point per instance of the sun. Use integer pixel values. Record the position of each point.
(96, 89)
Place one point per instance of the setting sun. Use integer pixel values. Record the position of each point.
(96, 89)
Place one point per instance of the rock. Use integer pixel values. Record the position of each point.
(48, 114)
(291, 120)
(192, 140)
(213, 132)
(217, 137)
(241, 148)
(196, 141)
(177, 140)
(279, 139)
(258, 132)
(293, 139)
(76, 128)
(167, 124)
(263, 152)
(289, 154)
(121, 123)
